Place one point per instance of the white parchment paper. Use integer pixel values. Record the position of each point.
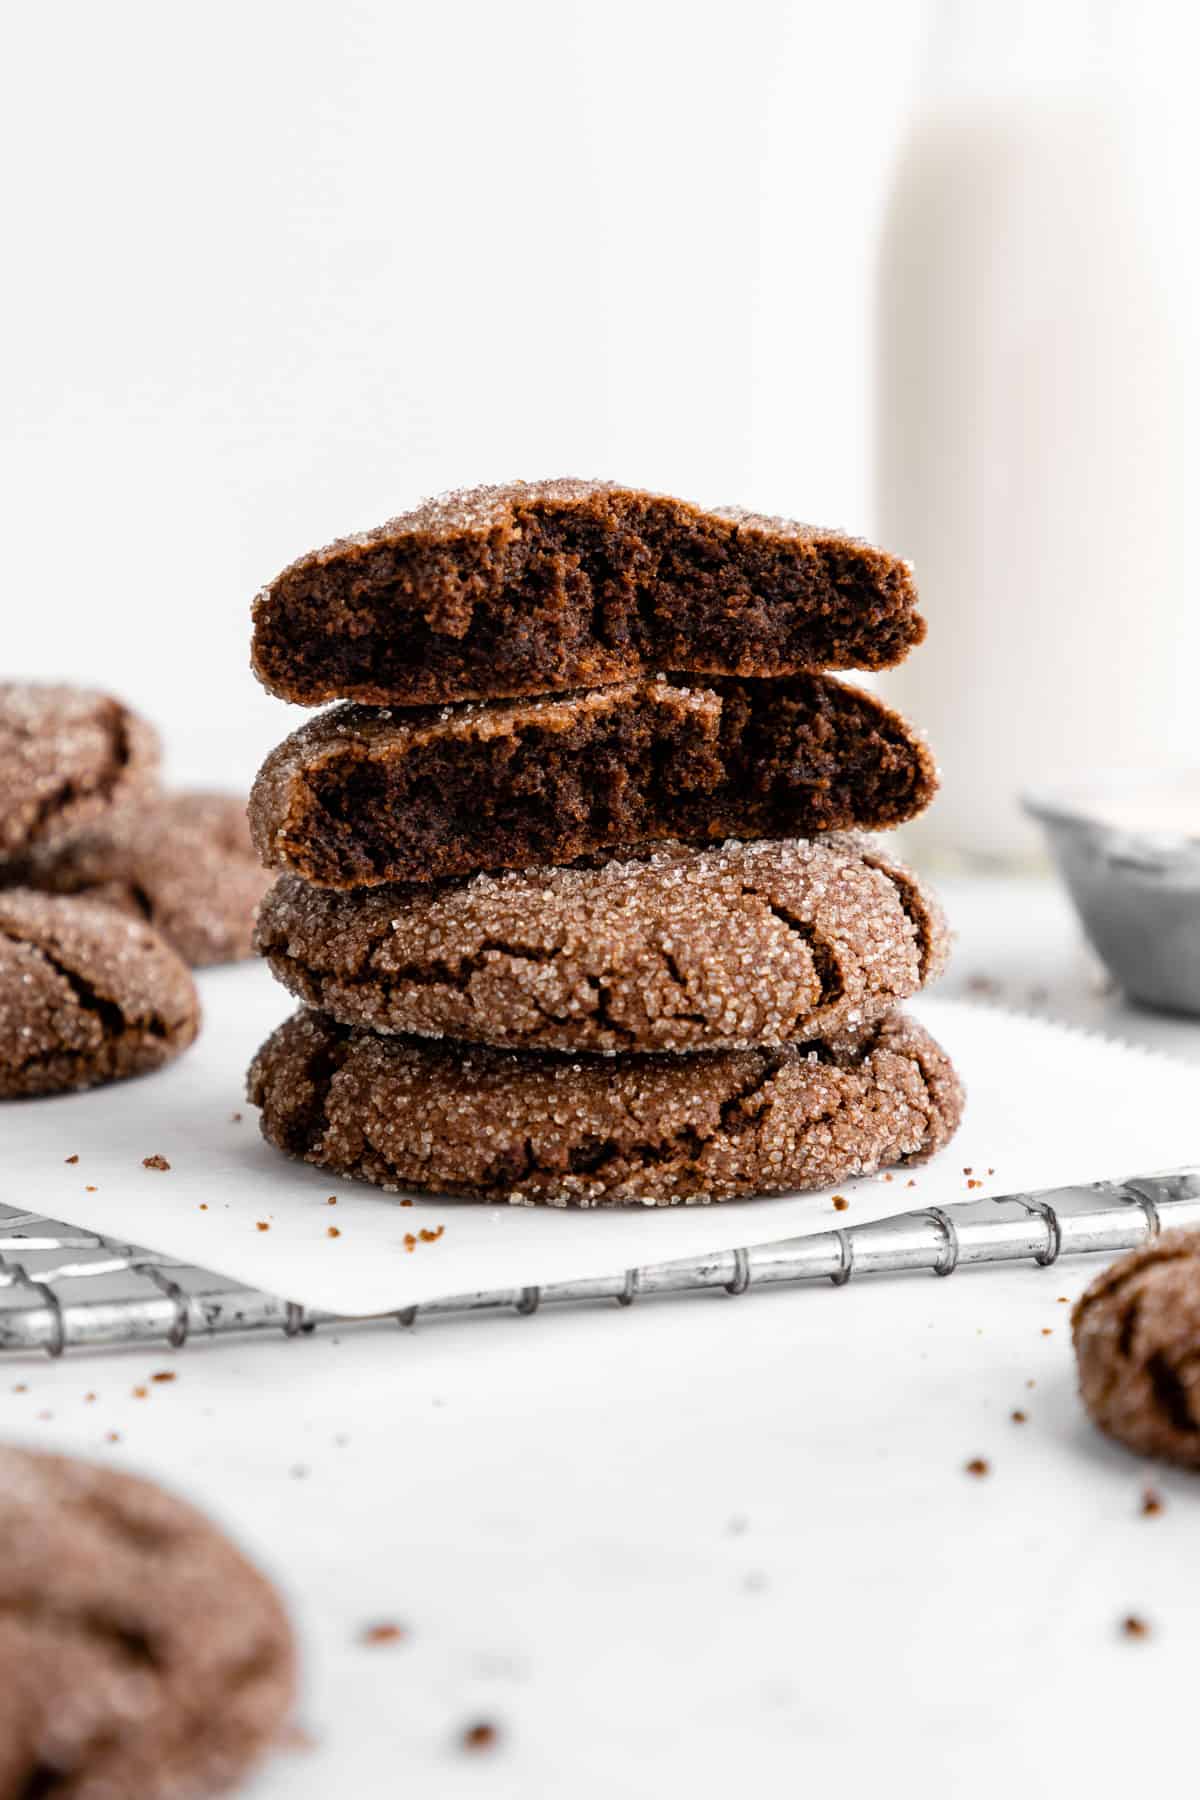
(1046, 1105)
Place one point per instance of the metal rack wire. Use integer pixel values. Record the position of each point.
(62, 1288)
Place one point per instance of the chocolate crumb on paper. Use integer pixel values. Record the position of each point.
(71, 1159)
(386, 1632)
(1132, 1626)
(155, 1162)
(978, 1466)
(483, 1735)
(1152, 1503)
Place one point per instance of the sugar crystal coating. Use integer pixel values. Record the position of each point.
(184, 861)
(67, 756)
(86, 995)
(530, 1127)
(666, 946)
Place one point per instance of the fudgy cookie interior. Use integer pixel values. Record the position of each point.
(357, 797)
(550, 586)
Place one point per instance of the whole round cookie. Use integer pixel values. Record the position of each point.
(184, 862)
(86, 995)
(140, 1652)
(668, 947)
(67, 756)
(1137, 1342)
(529, 1126)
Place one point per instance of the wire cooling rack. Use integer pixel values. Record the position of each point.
(62, 1288)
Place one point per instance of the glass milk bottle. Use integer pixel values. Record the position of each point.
(1038, 326)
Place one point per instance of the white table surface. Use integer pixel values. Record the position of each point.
(702, 1543)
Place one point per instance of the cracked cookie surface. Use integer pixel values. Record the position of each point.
(651, 1130)
(359, 796)
(540, 587)
(1137, 1343)
(140, 1652)
(86, 995)
(184, 862)
(67, 756)
(664, 947)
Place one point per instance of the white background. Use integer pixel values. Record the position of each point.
(277, 270)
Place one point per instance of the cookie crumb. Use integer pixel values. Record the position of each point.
(1152, 1503)
(385, 1633)
(91, 1190)
(431, 1237)
(332, 1231)
(978, 1465)
(1134, 1627)
(332, 1200)
(974, 1184)
(1047, 1331)
(1018, 1417)
(203, 1206)
(71, 1159)
(480, 1736)
(139, 1393)
(840, 1203)
(164, 1375)
(261, 1225)
(155, 1162)
(112, 1437)
(235, 1118)
(90, 1399)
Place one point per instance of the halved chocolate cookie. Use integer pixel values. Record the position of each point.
(666, 947)
(360, 796)
(86, 995)
(140, 1653)
(67, 757)
(532, 1126)
(540, 587)
(183, 861)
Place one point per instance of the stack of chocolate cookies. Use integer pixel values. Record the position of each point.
(573, 890)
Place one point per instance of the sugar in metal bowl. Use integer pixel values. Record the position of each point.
(1127, 844)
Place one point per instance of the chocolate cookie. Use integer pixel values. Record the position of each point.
(140, 1653)
(530, 1126)
(359, 796)
(669, 947)
(1137, 1340)
(539, 587)
(67, 756)
(85, 995)
(184, 862)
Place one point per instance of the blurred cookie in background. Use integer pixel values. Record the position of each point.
(68, 756)
(86, 995)
(140, 1652)
(183, 861)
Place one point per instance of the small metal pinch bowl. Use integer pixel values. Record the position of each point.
(1127, 844)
